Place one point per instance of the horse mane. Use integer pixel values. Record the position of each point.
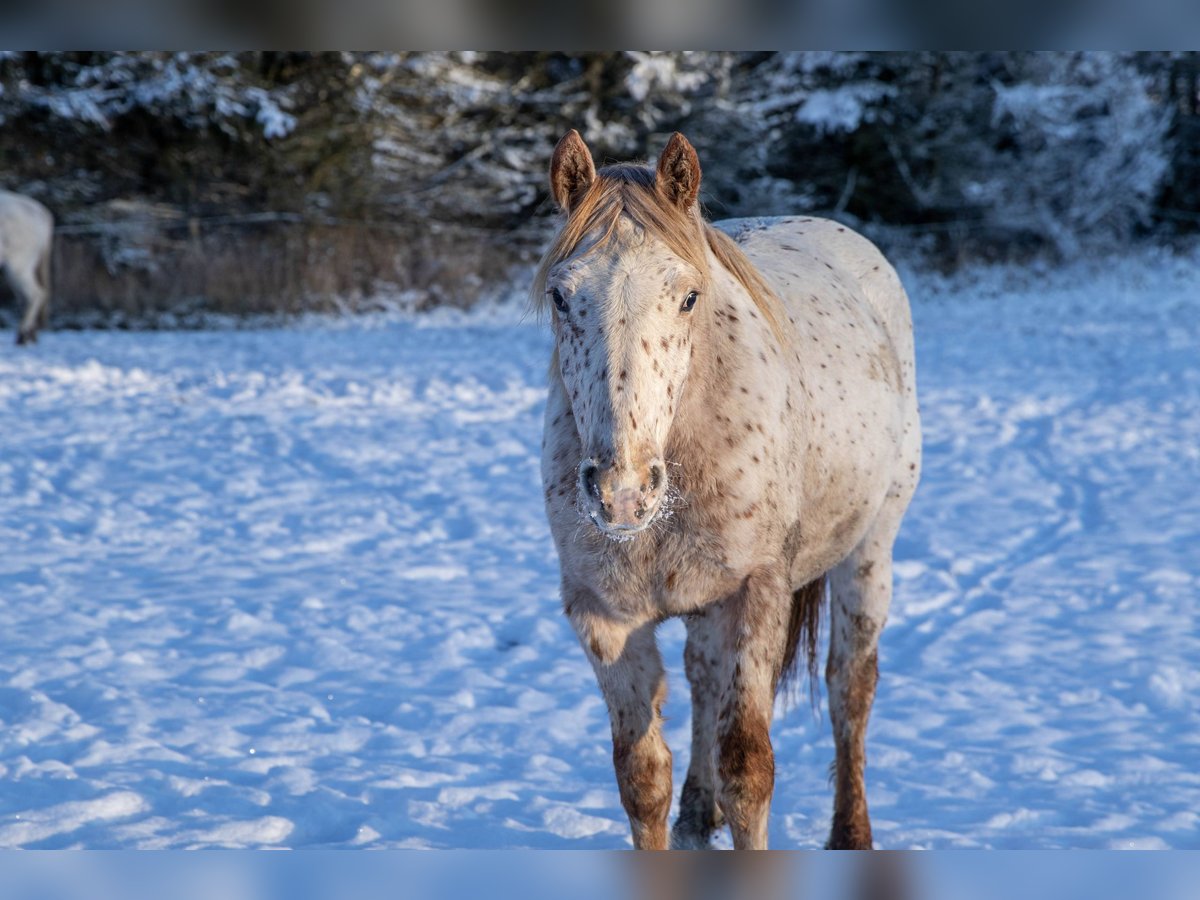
(629, 189)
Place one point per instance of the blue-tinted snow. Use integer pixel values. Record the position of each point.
(293, 587)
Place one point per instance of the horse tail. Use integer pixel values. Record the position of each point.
(804, 626)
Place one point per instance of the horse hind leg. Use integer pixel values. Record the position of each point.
(25, 285)
(43, 278)
(860, 594)
(699, 814)
(754, 631)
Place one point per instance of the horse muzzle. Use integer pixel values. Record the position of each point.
(622, 500)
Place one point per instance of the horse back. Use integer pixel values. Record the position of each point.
(26, 228)
(22, 210)
(792, 252)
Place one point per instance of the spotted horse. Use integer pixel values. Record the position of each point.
(731, 434)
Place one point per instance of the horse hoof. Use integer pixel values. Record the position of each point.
(844, 843)
(690, 840)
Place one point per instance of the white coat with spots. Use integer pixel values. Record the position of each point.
(26, 240)
(732, 423)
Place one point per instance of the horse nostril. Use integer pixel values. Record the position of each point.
(640, 511)
(589, 481)
(655, 476)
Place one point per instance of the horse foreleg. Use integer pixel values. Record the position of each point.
(630, 672)
(755, 630)
(699, 814)
(860, 593)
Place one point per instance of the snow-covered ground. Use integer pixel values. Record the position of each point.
(294, 587)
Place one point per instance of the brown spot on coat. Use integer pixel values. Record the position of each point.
(746, 766)
(644, 782)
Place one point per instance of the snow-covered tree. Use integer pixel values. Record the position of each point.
(1069, 149)
(440, 153)
(1079, 152)
(469, 134)
(197, 89)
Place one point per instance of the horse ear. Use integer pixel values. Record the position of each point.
(571, 170)
(678, 175)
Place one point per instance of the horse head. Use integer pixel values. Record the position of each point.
(625, 282)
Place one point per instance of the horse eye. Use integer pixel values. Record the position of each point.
(689, 301)
(560, 302)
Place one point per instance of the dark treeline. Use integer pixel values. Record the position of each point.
(267, 181)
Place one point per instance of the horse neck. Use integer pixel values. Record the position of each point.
(709, 387)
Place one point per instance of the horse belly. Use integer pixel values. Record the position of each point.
(849, 456)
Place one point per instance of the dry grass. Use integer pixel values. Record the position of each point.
(179, 269)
